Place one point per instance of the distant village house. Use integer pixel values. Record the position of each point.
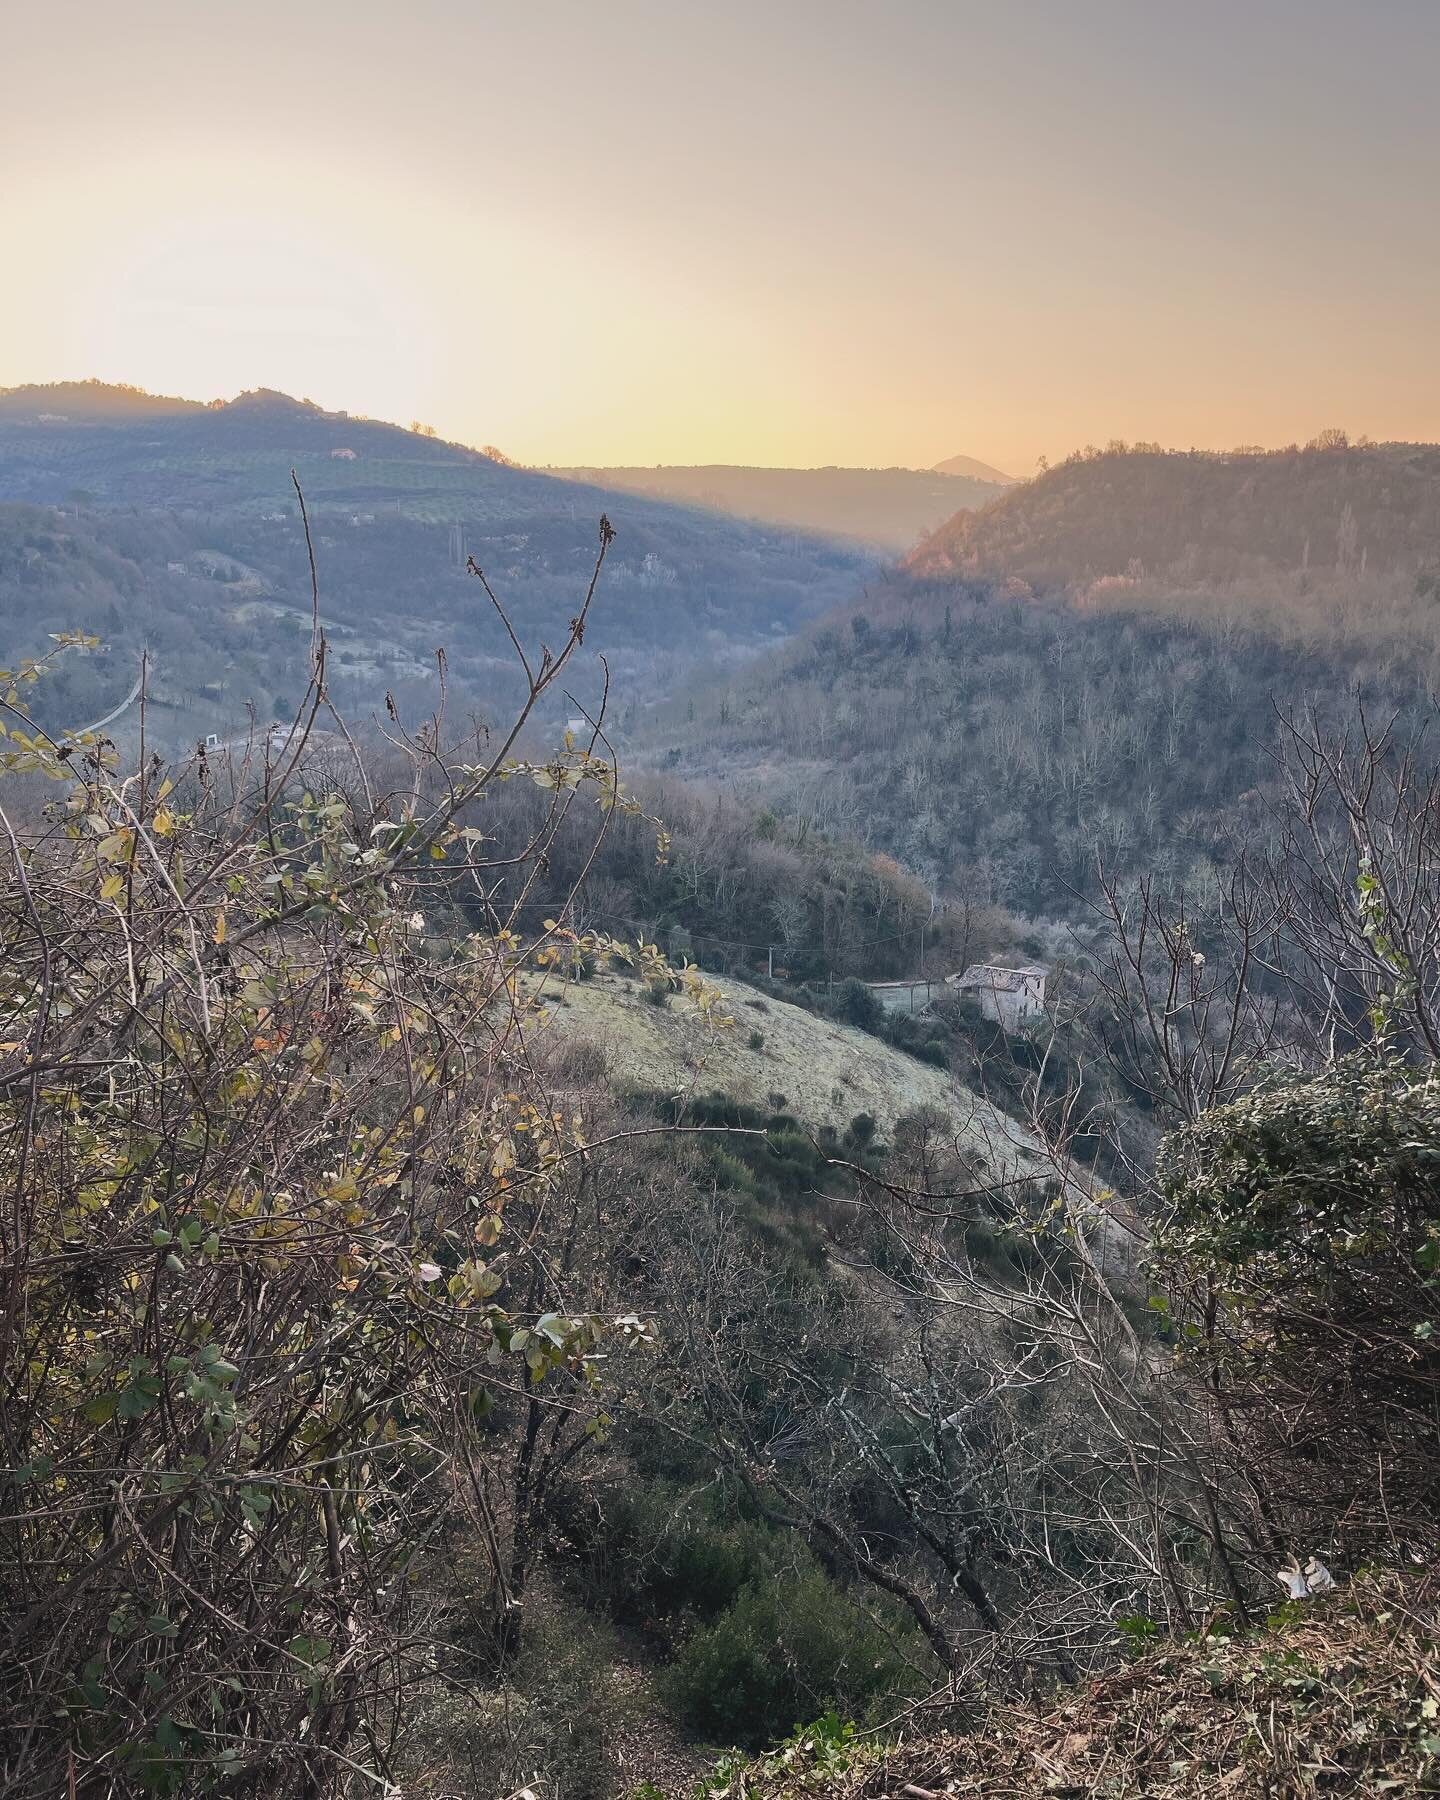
(1008, 997)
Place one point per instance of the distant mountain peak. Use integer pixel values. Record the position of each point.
(973, 469)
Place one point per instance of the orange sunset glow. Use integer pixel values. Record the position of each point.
(607, 235)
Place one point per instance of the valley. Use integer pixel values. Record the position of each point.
(1011, 722)
(658, 1326)
(885, 509)
(720, 901)
(179, 525)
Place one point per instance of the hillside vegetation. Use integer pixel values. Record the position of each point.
(179, 489)
(1204, 517)
(1091, 670)
(774, 1056)
(1003, 748)
(1337, 1696)
(741, 891)
(93, 402)
(452, 1351)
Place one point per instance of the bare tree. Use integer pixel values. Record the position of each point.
(287, 1206)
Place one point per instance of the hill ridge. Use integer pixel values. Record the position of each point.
(1217, 516)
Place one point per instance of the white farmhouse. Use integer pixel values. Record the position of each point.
(1010, 997)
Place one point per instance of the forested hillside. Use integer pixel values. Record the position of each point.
(1091, 670)
(199, 502)
(456, 1347)
(1201, 517)
(1002, 747)
(694, 1130)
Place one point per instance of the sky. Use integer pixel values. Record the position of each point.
(793, 232)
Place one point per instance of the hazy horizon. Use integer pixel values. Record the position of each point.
(836, 235)
(267, 387)
(566, 464)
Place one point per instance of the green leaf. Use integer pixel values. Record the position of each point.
(137, 1399)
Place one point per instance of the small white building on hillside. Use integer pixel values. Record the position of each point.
(1011, 997)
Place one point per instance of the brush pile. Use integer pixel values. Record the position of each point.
(1339, 1694)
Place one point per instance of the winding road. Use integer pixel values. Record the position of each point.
(124, 705)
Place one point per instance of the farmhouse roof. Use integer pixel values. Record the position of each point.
(992, 975)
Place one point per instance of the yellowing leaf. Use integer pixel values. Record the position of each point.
(220, 926)
(164, 822)
(112, 886)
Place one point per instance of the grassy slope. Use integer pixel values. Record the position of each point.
(827, 1071)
